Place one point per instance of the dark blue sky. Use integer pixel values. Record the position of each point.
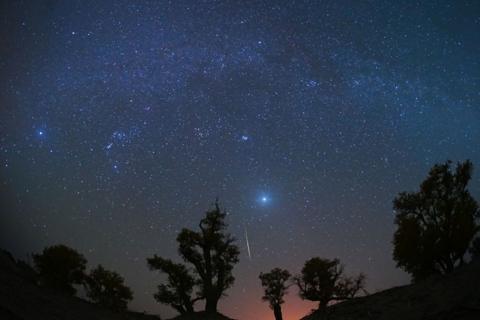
(121, 122)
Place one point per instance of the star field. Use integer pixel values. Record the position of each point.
(122, 122)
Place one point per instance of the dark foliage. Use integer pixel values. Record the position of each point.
(475, 248)
(60, 267)
(213, 254)
(436, 224)
(107, 288)
(275, 286)
(323, 280)
(178, 291)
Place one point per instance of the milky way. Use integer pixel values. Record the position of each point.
(121, 123)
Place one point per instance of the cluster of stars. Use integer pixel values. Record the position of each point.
(121, 123)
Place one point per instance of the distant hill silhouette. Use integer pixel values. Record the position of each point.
(22, 299)
(454, 296)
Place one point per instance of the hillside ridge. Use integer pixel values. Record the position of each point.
(453, 296)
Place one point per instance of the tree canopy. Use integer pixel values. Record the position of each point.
(475, 248)
(178, 291)
(435, 225)
(107, 289)
(323, 280)
(212, 253)
(60, 267)
(275, 286)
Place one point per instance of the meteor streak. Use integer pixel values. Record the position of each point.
(248, 244)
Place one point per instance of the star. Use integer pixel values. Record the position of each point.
(264, 199)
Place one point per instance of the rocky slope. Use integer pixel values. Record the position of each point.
(21, 299)
(455, 296)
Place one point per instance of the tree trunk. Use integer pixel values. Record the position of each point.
(322, 305)
(277, 311)
(180, 309)
(189, 308)
(450, 265)
(211, 305)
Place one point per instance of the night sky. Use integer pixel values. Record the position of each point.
(121, 123)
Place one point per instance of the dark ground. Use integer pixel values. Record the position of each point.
(201, 316)
(455, 296)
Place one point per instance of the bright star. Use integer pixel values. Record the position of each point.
(264, 199)
(244, 138)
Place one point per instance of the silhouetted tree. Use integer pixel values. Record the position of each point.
(475, 249)
(274, 284)
(323, 280)
(107, 289)
(178, 291)
(60, 267)
(436, 224)
(213, 254)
